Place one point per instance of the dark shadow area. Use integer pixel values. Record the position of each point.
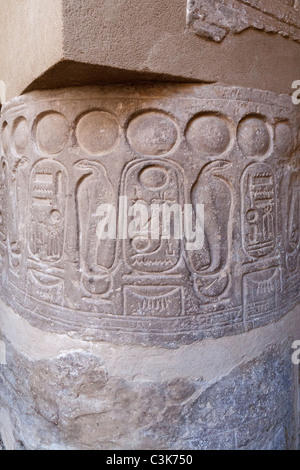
(71, 73)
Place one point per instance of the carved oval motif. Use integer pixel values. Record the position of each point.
(284, 139)
(48, 186)
(5, 136)
(258, 210)
(21, 134)
(52, 133)
(152, 133)
(208, 135)
(97, 132)
(253, 137)
(153, 177)
(140, 244)
(158, 254)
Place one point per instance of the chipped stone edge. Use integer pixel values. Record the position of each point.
(243, 16)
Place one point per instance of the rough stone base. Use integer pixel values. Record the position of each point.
(79, 395)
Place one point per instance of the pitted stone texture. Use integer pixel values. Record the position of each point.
(72, 402)
(214, 19)
(232, 149)
(52, 133)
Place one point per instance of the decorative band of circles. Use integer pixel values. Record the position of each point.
(149, 133)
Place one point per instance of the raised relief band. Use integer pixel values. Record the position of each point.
(214, 19)
(67, 152)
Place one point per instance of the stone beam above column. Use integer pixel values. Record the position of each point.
(67, 43)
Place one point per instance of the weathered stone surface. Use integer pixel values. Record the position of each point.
(214, 19)
(87, 42)
(66, 152)
(73, 401)
(138, 343)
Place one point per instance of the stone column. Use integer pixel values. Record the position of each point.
(140, 343)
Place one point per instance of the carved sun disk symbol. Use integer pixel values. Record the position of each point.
(140, 244)
(55, 216)
(251, 215)
(153, 177)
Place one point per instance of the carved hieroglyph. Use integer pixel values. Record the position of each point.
(214, 19)
(66, 153)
